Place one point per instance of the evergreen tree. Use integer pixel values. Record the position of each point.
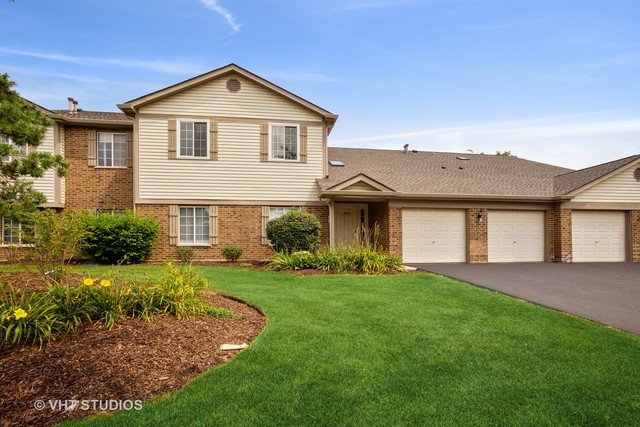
(22, 128)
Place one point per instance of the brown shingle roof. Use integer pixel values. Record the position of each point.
(568, 182)
(94, 115)
(441, 173)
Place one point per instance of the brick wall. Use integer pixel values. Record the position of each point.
(379, 214)
(559, 235)
(477, 232)
(88, 187)
(237, 225)
(395, 231)
(635, 236)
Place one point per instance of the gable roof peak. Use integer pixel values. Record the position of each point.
(130, 107)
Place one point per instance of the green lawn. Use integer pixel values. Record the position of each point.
(399, 350)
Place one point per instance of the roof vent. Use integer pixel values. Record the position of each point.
(462, 158)
(636, 174)
(336, 163)
(233, 85)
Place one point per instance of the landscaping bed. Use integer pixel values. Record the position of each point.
(134, 361)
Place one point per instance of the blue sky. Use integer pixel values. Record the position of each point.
(556, 81)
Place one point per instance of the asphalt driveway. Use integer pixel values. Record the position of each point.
(607, 293)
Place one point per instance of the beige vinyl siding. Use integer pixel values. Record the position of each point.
(62, 148)
(46, 183)
(238, 174)
(360, 186)
(621, 187)
(213, 99)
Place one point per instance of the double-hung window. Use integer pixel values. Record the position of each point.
(277, 212)
(284, 142)
(193, 138)
(194, 225)
(21, 150)
(112, 150)
(12, 232)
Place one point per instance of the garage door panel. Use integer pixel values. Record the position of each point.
(516, 236)
(433, 235)
(598, 236)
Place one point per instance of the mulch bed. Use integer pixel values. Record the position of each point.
(135, 360)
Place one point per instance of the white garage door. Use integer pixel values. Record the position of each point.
(598, 236)
(433, 235)
(516, 236)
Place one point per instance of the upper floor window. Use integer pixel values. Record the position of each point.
(112, 150)
(284, 142)
(21, 149)
(193, 138)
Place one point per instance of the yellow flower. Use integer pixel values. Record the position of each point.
(88, 281)
(19, 313)
(105, 283)
(6, 317)
(170, 264)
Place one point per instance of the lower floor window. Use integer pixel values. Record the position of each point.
(194, 225)
(12, 231)
(277, 212)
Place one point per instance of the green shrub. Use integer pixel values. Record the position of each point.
(56, 239)
(185, 254)
(123, 238)
(295, 261)
(344, 259)
(294, 231)
(232, 253)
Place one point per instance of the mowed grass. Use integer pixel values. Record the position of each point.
(402, 350)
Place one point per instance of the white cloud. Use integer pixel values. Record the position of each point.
(215, 6)
(171, 67)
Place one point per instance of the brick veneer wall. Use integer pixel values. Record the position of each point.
(635, 236)
(395, 231)
(88, 187)
(477, 232)
(379, 214)
(237, 225)
(559, 235)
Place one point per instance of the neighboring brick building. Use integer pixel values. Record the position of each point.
(214, 158)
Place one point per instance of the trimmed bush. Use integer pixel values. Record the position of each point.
(120, 238)
(185, 254)
(232, 253)
(294, 231)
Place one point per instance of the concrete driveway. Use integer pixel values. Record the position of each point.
(607, 293)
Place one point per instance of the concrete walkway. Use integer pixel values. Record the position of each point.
(607, 293)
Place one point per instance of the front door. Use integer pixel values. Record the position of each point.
(348, 219)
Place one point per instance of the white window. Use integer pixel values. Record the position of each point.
(111, 212)
(284, 142)
(194, 225)
(193, 138)
(22, 150)
(112, 150)
(277, 212)
(12, 231)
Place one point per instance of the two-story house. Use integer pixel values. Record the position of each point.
(214, 158)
